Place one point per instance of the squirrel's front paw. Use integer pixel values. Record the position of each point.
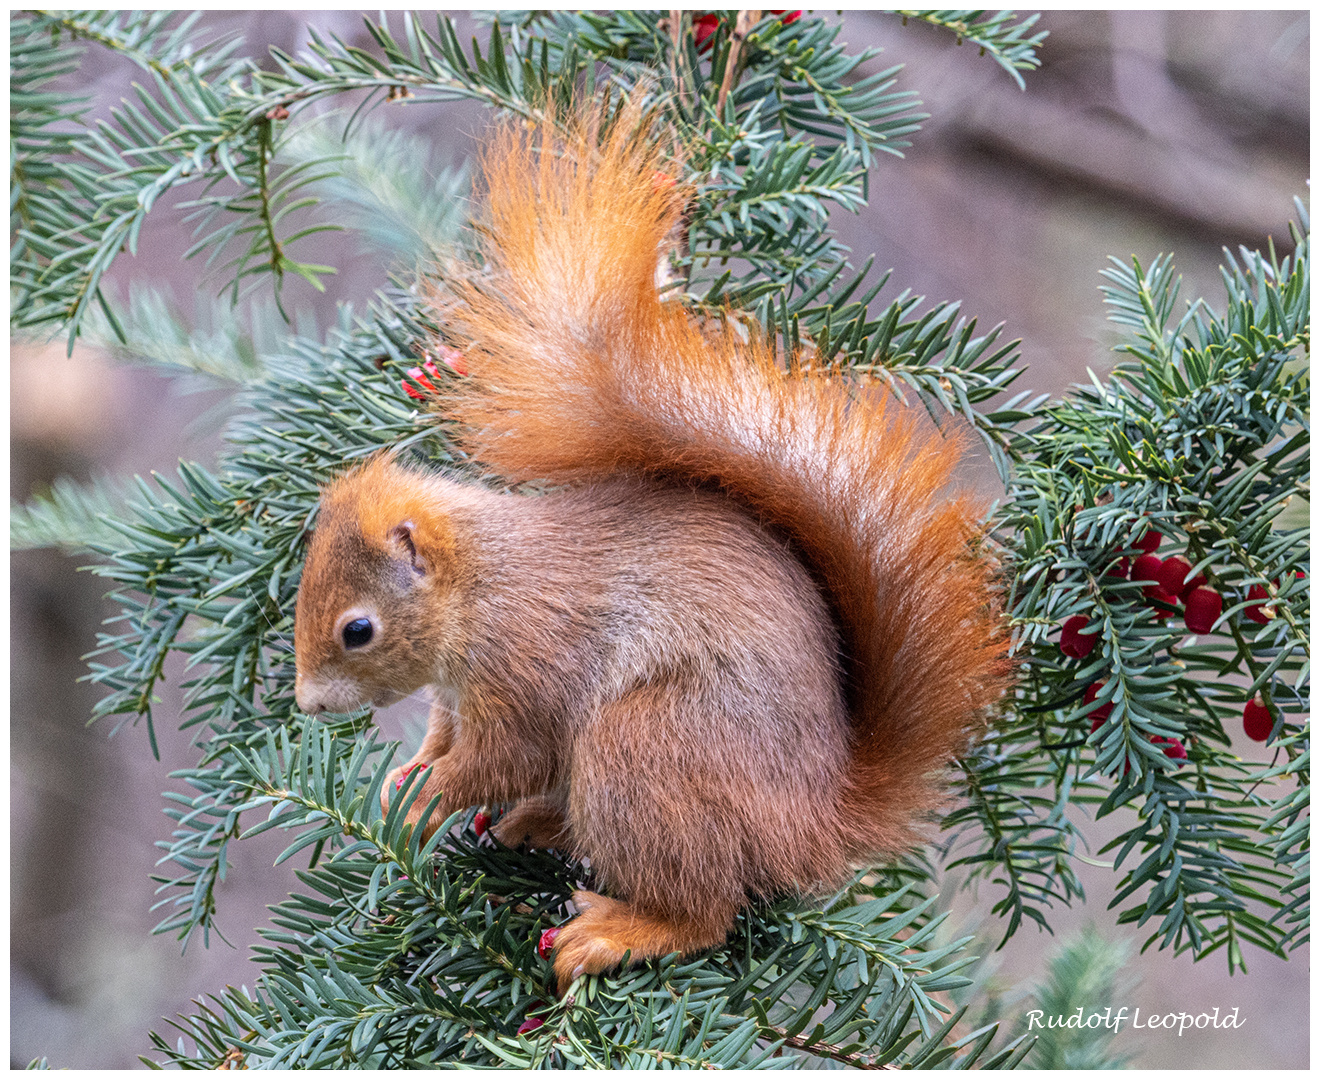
(537, 822)
(394, 780)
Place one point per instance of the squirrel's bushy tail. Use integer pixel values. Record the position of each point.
(580, 371)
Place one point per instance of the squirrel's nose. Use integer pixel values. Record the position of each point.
(308, 703)
(328, 691)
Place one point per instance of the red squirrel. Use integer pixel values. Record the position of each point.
(731, 650)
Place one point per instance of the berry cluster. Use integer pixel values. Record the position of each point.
(1166, 584)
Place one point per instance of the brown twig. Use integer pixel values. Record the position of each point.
(676, 36)
(827, 1051)
(746, 20)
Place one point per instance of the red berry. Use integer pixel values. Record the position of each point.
(1072, 641)
(1101, 712)
(1256, 720)
(1263, 613)
(1149, 541)
(702, 29)
(1148, 568)
(481, 822)
(661, 181)
(1156, 592)
(789, 17)
(1256, 613)
(547, 942)
(530, 1024)
(1173, 748)
(403, 776)
(1119, 569)
(419, 376)
(1173, 574)
(1204, 606)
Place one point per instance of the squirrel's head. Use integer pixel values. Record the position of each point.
(370, 619)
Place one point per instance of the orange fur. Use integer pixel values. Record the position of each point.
(734, 653)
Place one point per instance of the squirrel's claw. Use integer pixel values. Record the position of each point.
(581, 948)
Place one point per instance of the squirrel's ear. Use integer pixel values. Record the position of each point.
(401, 538)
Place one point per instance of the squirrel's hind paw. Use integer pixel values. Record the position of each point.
(598, 939)
(591, 943)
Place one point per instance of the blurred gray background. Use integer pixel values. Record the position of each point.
(1143, 132)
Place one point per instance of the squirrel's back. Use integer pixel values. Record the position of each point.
(580, 371)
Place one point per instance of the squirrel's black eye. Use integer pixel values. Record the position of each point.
(357, 633)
